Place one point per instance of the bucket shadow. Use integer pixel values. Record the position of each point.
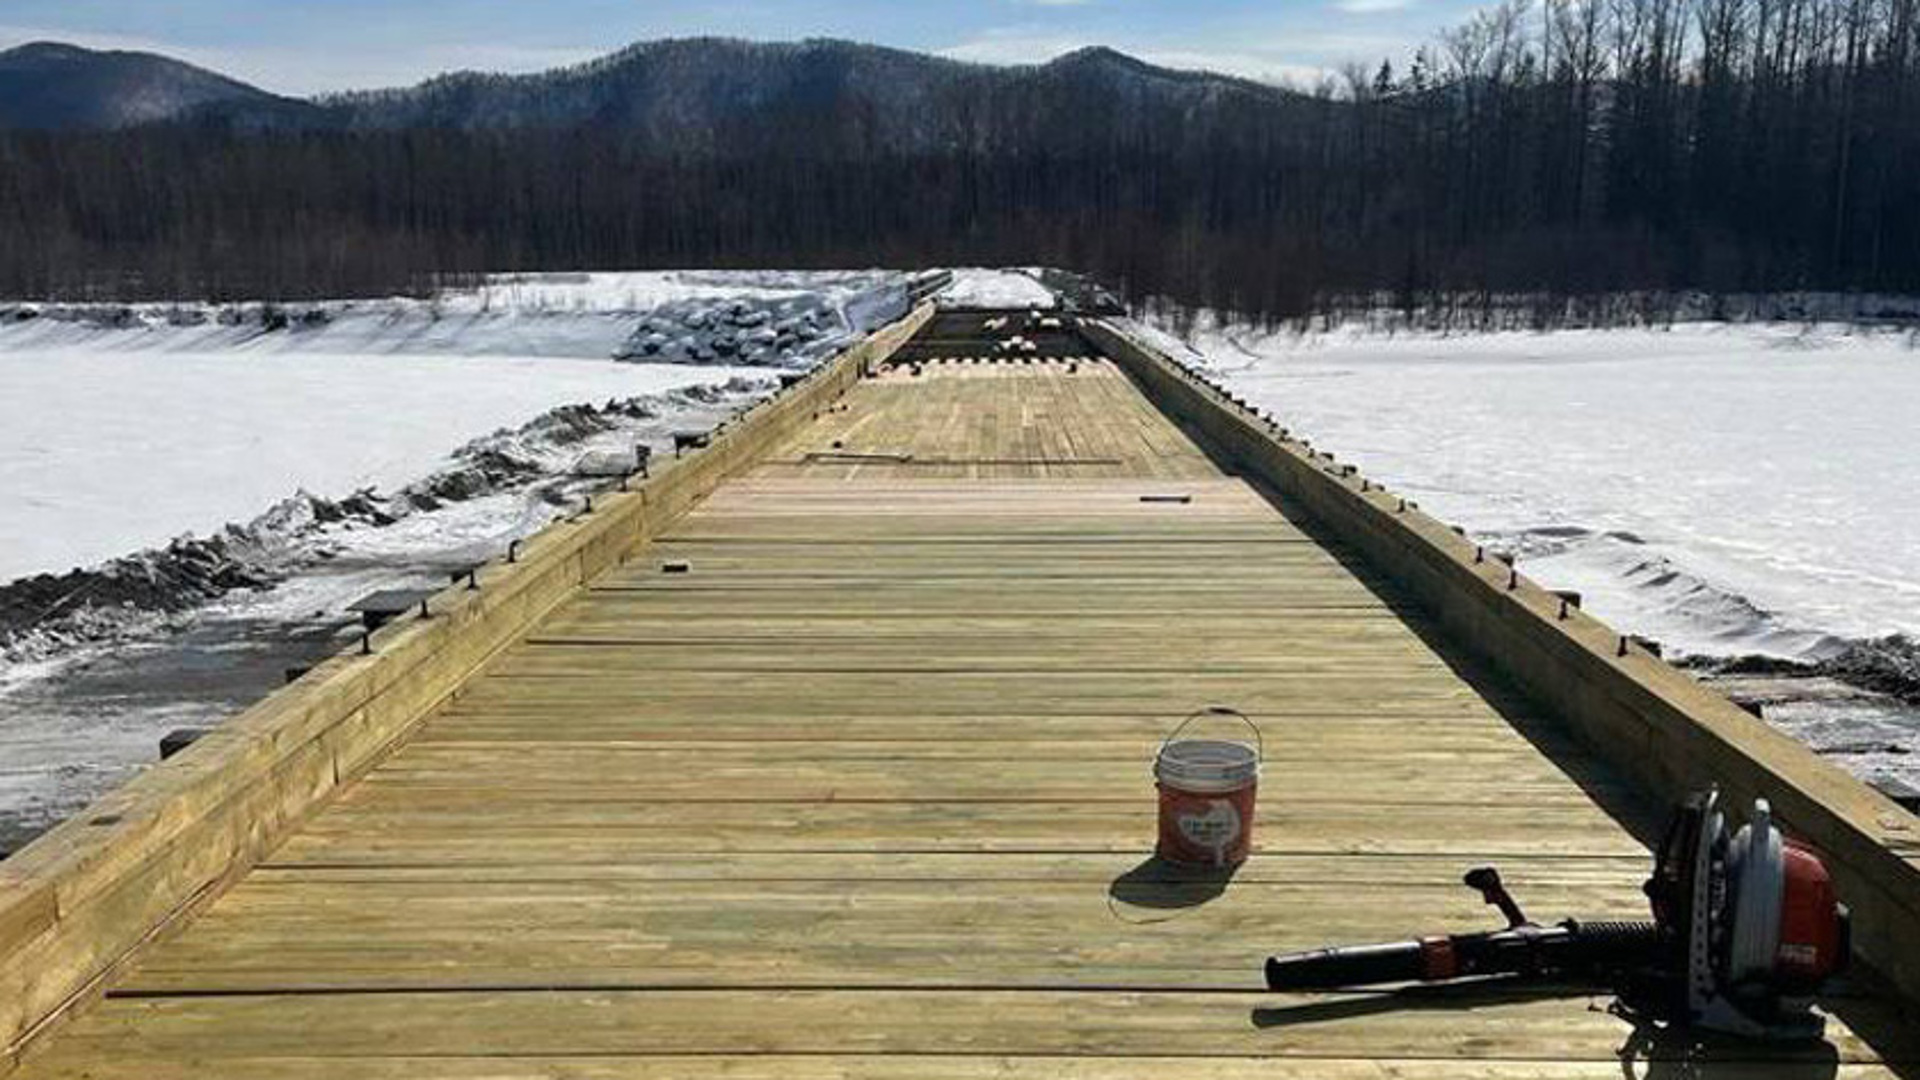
(1158, 884)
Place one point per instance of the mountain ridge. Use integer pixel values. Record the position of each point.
(51, 85)
(671, 88)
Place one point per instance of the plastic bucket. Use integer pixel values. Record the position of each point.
(1207, 789)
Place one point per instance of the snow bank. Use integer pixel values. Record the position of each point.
(1728, 490)
(976, 287)
(581, 316)
(539, 465)
(107, 452)
(650, 290)
(122, 426)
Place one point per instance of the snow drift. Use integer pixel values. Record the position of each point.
(48, 614)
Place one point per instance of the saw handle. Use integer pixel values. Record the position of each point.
(1486, 881)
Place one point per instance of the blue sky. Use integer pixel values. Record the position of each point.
(304, 46)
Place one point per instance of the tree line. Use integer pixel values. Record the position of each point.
(1567, 147)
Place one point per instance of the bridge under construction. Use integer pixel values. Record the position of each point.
(823, 752)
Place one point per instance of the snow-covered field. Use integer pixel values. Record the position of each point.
(583, 316)
(977, 287)
(1732, 491)
(104, 452)
(121, 428)
(1727, 489)
(312, 454)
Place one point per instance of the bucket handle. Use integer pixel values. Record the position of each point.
(1259, 741)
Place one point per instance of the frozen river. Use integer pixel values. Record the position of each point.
(1728, 490)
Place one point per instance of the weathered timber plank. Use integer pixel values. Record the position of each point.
(1497, 1023)
(391, 828)
(940, 1067)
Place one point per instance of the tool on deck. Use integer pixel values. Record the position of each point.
(1745, 930)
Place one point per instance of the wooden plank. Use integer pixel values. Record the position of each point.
(1167, 695)
(790, 772)
(1136, 931)
(391, 827)
(1334, 737)
(942, 1067)
(1487, 1022)
(1523, 871)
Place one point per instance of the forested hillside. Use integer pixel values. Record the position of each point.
(53, 87)
(1576, 146)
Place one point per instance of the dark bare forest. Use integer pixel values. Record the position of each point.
(1574, 147)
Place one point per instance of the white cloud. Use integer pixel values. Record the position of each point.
(1373, 7)
(405, 65)
(1261, 67)
(1013, 46)
(1017, 46)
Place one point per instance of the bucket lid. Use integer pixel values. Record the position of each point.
(1207, 765)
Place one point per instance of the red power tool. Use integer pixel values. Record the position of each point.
(1746, 928)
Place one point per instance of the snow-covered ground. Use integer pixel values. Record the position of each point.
(980, 287)
(583, 316)
(1728, 490)
(121, 427)
(108, 451)
(310, 454)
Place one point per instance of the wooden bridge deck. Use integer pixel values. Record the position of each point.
(864, 793)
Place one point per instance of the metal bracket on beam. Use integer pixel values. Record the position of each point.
(378, 609)
(1569, 602)
(179, 739)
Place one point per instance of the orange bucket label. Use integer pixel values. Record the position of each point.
(1207, 789)
(1209, 829)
